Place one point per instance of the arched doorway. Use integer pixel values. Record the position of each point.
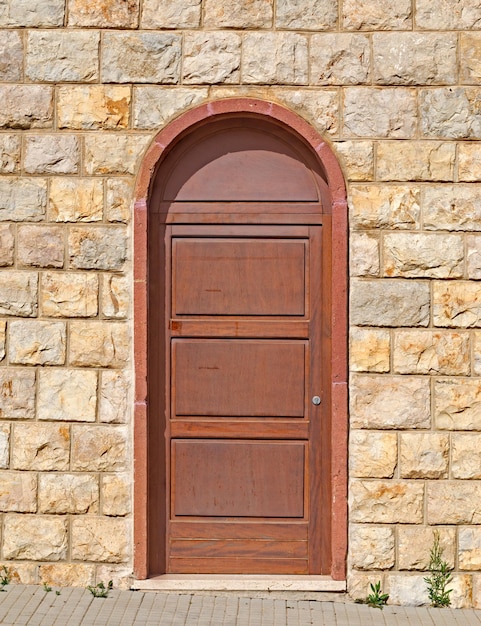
(240, 400)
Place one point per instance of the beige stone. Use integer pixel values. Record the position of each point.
(457, 304)
(393, 402)
(112, 153)
(462, 594)
(37, 342)
(114, 397)
(415, 543)
(364, 254)
(144, 57)
(10, 150)
(452, 502)
(448, 14)
(369, 350)
(52, 154)
(67, 575)
(469, 162)
(67, 395)
(171, 13)
(376, 112)
(240, 14)
(92, 107)
(7, 244)
(473, 261)
(426, 352)
(115, 296)
(386, 502)
(3, 333)
(41, 447)
(416, 161)
(320, 107)
(450, 112)
(18, 492)
(395, 207)
(99, 248)
(154, 106)
(111, 14)
(407, 590)
(40, 246)
(371, 547)
(452, 207)
(98, 344)
(62, 56)
(389, 302)
(75, 199)
(22, 199)
(470, 58)
(17, 393)
(21, 573)
(26, 106)
(118, 199)
(116, 498)
(306, 15)
(357, 159)
(340, 59)
(372, 455)
(18, 293)
(11, 56)
(423, 255)
(34, 537)
(122, 577)
(373, 15)
(275, 58)
(457, 404)
(68, 493)
(477, 353)
(424, 455)
(69, 294)
(211, 57)
(465, 456)
(100, 539)
(19, 13)
(469, 548)
(99, 449)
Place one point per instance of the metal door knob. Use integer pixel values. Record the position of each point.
(316, 400)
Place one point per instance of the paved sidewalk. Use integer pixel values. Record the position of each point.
(21, 605)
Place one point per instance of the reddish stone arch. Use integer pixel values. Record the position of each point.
(161, 147)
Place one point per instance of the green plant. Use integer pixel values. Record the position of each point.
(376, 598)
(439, 576)
(46, 587)
(4, 578)
(100, 590)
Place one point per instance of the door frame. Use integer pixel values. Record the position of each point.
(164, 141)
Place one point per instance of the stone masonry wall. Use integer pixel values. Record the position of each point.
(84, 87)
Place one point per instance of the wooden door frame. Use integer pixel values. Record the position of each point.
(165, 140)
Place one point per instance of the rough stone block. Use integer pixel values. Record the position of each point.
(3, 331)
(100, 539)
(448, 14)
(364, 254)
(118, 199)
(116, 494)
(102, 248)
(211, 57)
(68, 575)
(26, 106)
(11, 56)
(171, 14)
(320, 107)
(457, 304)
(373, 15)
(114, 398)
(477, 353)
(340, 59)
(416, 161)
(18, 293)
(98, 344)
(375, 112)
(18, 492)
(372, 455)
(141, 57)
(115, 296)
(75, 199)
(424, 455)
(450, 112)
(40, 246)
(113, 153)
(469, 548)
(20, 13)
(465, 456)
(372, 547)
(35, 537)
(470, 58)
(37, 343)
(307, 15)
(69, 294)
(457, 404)
(17, 393)
(52, 154)
(68, 493)
(22, 199)
(473, 245)
(241, 14)
(155, 106)
(386, 502)
(7, 245)
(423, 255)
(56, 56)
(41, 447)
(380, 206)
(122, 577)
(111, 14)
(407, 590)
(99, 449)
(357, 159)
(390, 402)
(93, 107)
(275, 58)
(389, 302)
(453, 502)
(21, 573)
(452, 207)
(426, 352)
(67, 395)
(4, 445)
(415, 542)
(369, 350)
(10, 151)
(469, 162)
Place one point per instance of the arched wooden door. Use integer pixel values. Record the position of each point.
(239, 354)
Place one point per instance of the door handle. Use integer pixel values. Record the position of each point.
(316, 400)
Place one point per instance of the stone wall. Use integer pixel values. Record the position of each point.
(84, 87)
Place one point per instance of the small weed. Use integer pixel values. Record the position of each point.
(439, 576)
(4, 578)
(57, 592)
(376, 598)
(46, 587)
(100, 590)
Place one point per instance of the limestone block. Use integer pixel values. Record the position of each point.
(17, 393)
(102, 248)
(115, 296)
(241, 14)
(453, 502)
(100, 539)
(371, 547)
(358, 583)
(7, 244)
(10, 149)
(424, 455)
(41, 447)
(116, 498)
(37, 343)
(389, 302)
(275, 58)
(407, 590)
(92, 107)
(357, 159)
(369, 350)
(211, 57)
(375, 112)
(18, 492)
(465, 456)
(68, 575)
(470, 58)
(448, 14)
(111, 14)
(392, 402)
(462, 595)
(415, 543)
(364, 254)
(457, 304)
(379, 206)
(371, 454)
(320, 107)
(386, 502)
(414, 58)
(426, 352)
(3, 331)
(18, 293)
(340, 59)
(144, 57)
(63, 56)
(452, 207)
(415, 160)
(473, 245)
(114, 400)
(306, 15)
(171, 14)
(469, 162)
(67, 395)
(122, 577)
(68, 493)
(373, 15)
(75, 199)
(26, 106)
(450, 112)
(102, 448)
(118, 199)
(154, 106)
(113, 153)
(423, 255)
(22, 199)
(477, 353)
(34, 537)
(457, 404)
(98, 344)
(21, 573)
(20, 13)
(11, 56)
(40, 246)
(52, 154)
(69, 294)
(469, 548)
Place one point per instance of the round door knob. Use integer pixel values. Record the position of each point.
(316, 400)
